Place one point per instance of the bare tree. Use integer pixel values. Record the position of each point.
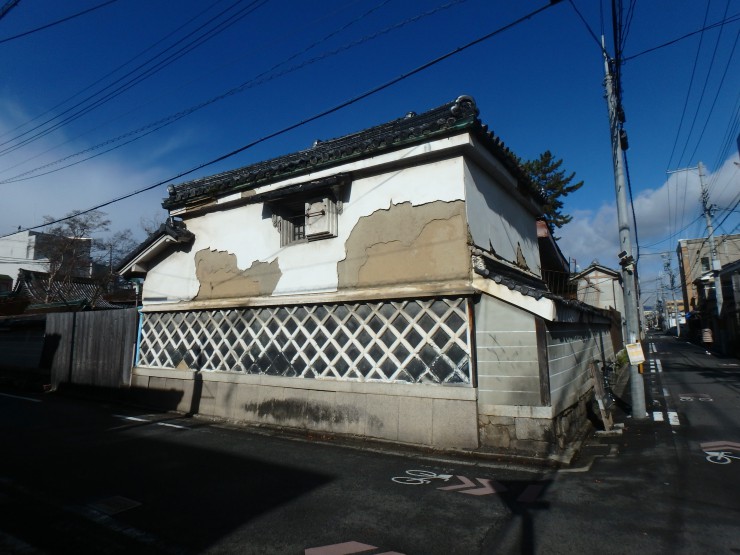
(74, 249)
(68, 246)
(150, 224)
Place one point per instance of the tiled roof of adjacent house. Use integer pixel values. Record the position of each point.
(446, 120)
(37, 288)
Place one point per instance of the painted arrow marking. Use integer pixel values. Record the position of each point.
(719, 446)
(487, 486)
(346, 548)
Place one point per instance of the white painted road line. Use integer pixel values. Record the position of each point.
(673, 418)
(21, 398)
(172, 425)
(658, 416)
(133, 418)
(658, 363)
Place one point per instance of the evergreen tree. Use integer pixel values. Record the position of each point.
(553, 184)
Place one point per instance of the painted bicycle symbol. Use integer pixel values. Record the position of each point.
(721, 457)
(695, 397)
(418, 477)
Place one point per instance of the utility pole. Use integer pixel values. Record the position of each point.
(672, 285)
(629, 266)
(714, 257)
(716, 264)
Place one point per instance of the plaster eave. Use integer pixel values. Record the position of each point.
(432, 289)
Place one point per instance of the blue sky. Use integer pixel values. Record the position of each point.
(538, 86)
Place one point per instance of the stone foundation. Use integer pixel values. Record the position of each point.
(425, 415)
(533, 431)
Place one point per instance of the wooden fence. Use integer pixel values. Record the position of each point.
(92, 348)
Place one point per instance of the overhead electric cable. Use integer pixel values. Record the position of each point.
(628, 24)
(114, 71)
(703, 89)
(731, 19)
(588, 27)
(136, 79)
(688, 92)
(716, 96)
(260, 79)
(53, 23)
(7, 7)
(107, 75)
(310, 119)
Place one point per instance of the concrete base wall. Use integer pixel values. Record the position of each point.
(429, 415)
(534, 431)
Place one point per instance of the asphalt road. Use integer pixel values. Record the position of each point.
(85, 477)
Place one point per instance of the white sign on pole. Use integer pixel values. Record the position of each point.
(634, 352)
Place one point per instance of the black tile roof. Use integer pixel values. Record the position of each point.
(446, 120)
(36, 291)
(173, 228)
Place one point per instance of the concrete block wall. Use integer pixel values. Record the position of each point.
(571, 348)
(507, 355)
(428, 415)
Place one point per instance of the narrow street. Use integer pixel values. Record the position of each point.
(83, 477)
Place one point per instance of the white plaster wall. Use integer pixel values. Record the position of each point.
(248, 233)
(15, 253)
(495, 216)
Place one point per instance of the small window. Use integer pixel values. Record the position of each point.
(704, 264)
(303, 220)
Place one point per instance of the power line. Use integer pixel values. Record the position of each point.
(716, 96)
(4, 10)
(136, 79)
(688, 91)
(704, 88)
(260, 79)
(310, 119)
(7, 7)
(731, 19)
(112, 72)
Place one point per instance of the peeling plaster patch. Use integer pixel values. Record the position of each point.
(407, 244)
(219, 276)
(520, 260)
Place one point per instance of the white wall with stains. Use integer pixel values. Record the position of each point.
(496, 218)
(247, 232)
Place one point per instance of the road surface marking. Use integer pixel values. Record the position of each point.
(114, 505)
(487, 486)
(658, 416)
(346, 548)
(133, 418)
(21, 398)
(172, 425)
(673, 418)
(659, 365)
(719, 445)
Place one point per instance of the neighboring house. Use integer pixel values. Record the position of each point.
(725, 327)
(29, 250)
(694, 261)
(22, 251)
(554, 267)
(36, 292)
(600, 286)
(384, 284)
